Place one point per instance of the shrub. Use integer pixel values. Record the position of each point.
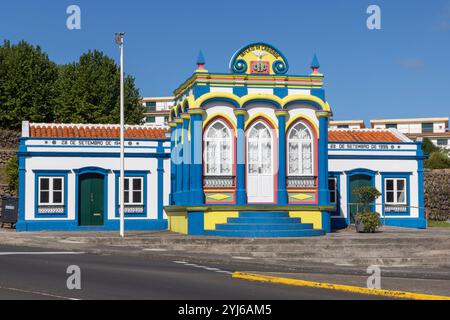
(437, 160)
(12, 174)
(366, 196)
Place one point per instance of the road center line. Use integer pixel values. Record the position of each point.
(38, 253)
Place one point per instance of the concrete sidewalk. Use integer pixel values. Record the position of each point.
(394, 247)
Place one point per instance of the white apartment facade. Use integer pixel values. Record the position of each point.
(157, 109)
(435, 129)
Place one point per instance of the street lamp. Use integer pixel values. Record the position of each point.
(119, 40)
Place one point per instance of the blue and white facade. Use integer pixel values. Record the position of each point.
(393, 168)
(248, 154)
(52, 168)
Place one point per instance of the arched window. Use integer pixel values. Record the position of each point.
(300, 151)
(218, 154)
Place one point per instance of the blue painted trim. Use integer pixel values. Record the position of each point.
(221, 99)
(200, 90)
(323, 162)
(338, 223)
(241, 192)
(275, 104)
(372, 150)
(312, 104)
(96, 139)
(240, 91)
(86, 170)
(326, 221)
(375, 157)
(186, 162)
(319, 93)
(94, 154)
(72, 225)
(196, 195)
(177, 154)
(388, 175)
(388, 143)
(160, 188)
(172, 167)
(418, 223)
(361, 171)
(196, 223)
(336, 175)
(50, 173)
(282, 192)
(132, 174)
(420, 182)
(280, 92)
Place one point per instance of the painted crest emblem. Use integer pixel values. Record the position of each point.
(268, 60)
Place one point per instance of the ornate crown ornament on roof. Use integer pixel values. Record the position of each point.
(259, 58)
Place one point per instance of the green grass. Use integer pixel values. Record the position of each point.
(438, 224)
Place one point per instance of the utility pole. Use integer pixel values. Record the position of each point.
(119, 41)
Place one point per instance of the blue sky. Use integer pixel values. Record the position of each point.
(402, 70)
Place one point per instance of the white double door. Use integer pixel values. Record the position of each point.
(260, 164)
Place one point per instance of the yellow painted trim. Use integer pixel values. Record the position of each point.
(338, 287)
(216, 217)
(211, 117)
(307, 97)
(198, 103)
(262, 115)
(301, 116)
(259, 96)
(314, 217)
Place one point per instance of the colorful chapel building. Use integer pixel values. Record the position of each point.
(247, 154)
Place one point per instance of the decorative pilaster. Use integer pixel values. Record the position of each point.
(186, 159)
(241, 193)
(177, 157)
(282, 193)
(324, 197)
(196, 182)
(173, 128)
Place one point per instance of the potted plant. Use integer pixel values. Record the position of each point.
(366, 220)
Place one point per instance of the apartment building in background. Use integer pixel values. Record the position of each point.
(435, 129)
(347, 124)
(157, 109)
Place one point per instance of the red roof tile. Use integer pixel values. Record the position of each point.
(364, 135)
(38, 130)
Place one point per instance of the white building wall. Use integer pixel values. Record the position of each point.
(112, 164)
(388, 165)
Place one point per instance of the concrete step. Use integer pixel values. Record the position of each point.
(266, 234)
(264, 226)
(263, 214)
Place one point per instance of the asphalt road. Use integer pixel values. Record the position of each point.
(30, 273)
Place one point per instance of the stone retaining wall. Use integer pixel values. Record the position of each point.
(437, 194)
(9, 142)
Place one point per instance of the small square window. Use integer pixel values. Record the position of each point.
(427, 127)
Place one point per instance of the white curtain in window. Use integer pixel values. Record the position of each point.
(259, 150)
(218, 150)
(300, 151)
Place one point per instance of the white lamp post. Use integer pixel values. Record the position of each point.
(119, 41)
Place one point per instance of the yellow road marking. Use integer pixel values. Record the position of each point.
(339, 287)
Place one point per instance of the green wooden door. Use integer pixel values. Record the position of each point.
(91, 201)
(357, 181)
